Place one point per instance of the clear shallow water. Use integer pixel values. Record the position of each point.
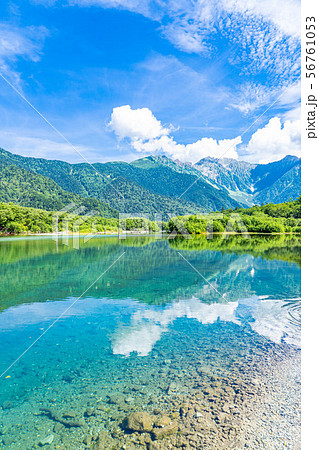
(149, 331)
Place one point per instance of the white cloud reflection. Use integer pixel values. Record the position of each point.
(267, 317)
(148, 325)
(271, 319)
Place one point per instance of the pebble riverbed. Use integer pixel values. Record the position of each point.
(231, 394)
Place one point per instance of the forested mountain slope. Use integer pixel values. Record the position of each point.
(150, 185)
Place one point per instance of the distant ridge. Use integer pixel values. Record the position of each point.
(254, 183)
(152, 185)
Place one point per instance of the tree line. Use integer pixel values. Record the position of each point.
(270, 218)
(16, 219)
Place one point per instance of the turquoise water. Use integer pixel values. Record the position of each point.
(166, 318)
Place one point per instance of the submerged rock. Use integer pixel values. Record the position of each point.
(160, 433)
(153, 446)
(116, 399)
(58, 418)
(89, 412)
(87, 441)
(163, 421)
(138, 421)
(47, 440)
(69, 415)
(7, 405)
(102, 442)
(67, 378)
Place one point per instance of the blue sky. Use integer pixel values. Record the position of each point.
(121, 79)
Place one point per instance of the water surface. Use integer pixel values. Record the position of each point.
(166, 318)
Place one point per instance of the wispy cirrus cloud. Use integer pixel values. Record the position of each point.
(17, 42)
(251, 96)
(148, 8)
(286, 17)
(266, 36)
(40, 147)
(259, 48)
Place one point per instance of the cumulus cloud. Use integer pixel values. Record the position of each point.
(274, 141)
(148, 136)
(211, 147)
(136, 124)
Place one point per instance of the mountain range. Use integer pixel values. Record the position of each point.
(154, 184)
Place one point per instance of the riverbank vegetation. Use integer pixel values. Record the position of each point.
(16, 219)
(270, 218)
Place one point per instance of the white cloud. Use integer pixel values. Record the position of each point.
(186, 37)
(195, 17)
(264, 35)
(211, 147)
(136, 124)
(147, 135)
(286, 17)
(258, 37)
(293, 114)
(251, 96)
(144, 7)
(259, 47)
(17, 43)
(274, 141)
(191, 25)
(290, 95)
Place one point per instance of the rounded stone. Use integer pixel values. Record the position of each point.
(138, 421)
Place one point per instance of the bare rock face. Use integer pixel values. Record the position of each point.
(138, 421)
